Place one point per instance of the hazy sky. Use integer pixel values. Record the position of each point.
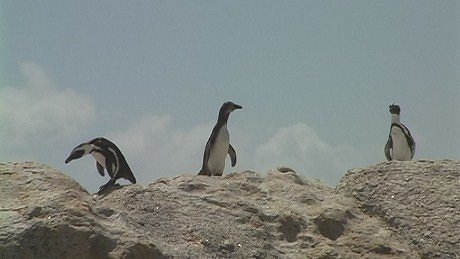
(315, 79)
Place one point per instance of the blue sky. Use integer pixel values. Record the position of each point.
(315, 79)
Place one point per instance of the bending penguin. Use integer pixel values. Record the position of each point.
(400, 145)
(218, 145)
(108, 157)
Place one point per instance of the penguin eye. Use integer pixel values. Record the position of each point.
(79, 153)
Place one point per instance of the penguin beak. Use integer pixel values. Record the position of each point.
(68, 160)
(74, 155)
(237, 107)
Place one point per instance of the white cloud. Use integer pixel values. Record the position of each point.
(53, 118)
(299, 147)
(155, 148)
(39, 110)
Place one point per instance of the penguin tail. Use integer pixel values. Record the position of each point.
(131, 178)
(128, 174)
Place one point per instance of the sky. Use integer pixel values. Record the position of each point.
(315, 79)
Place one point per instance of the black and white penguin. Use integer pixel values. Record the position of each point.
(400, 145)
(108, 157)
(218, 145)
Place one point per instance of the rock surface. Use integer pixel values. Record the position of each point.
(46, 214)
(420, 200)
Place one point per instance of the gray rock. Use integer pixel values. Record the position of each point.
(46, 214)
(331, 222)
(420, 200)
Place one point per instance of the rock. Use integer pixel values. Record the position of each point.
(46, 214)
(290, 227)
(286, 169)
(331, 223)
(420, 200)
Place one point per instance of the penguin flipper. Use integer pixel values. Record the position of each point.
(410, 141)
(412, 147)
(204, 168)
(387, 148)
(232, 153)
(100, 169)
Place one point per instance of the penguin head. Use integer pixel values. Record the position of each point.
(79, 151)
(394, 109)
(228, 107)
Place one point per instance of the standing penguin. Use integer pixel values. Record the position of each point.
(218, 145)
(400, 145)
(108, 157)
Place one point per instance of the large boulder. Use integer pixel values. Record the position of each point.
(420, 200)
(46, 214)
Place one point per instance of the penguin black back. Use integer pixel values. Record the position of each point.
(124, 171)
(218, 144)
(400, 144)
(108, 157)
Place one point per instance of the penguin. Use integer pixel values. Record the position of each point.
(218, 145)
(400, 145)
(108, 157)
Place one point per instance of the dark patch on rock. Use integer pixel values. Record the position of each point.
(46, 241)
(107, 212)
(290, 228)
(34, 211)
(382, 249)
(227, 246)
(143, 251)
(192, 186)
(331, 223)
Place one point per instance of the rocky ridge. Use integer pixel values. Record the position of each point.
(390, 210)
(420, 200)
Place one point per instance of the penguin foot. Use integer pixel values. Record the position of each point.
(110, 183)
(102, 189)
(203, 172)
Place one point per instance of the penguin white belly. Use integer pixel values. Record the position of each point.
(401, 150)
(219, 151)
(99, 158)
